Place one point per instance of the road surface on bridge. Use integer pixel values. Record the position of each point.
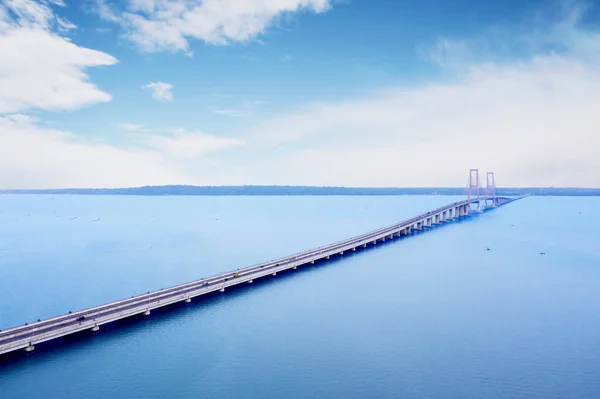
(26, 336)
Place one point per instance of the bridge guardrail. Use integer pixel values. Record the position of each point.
(130, 306)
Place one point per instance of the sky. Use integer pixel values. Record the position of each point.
(372, 93)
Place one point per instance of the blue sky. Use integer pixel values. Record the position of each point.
(112, 93)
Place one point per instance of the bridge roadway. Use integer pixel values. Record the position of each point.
(26, 336)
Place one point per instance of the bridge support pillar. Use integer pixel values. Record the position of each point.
(222, 289)
(95, 328)
(436, 219)
(444, 216)
(274, 274)
(354, 249)
(188, 300)
(147, 312)
(29, 348)
(295, 267)
(312, 262)
(250, 281)
(327, 257)
(341, 253)
(420, 226)
(364, 245)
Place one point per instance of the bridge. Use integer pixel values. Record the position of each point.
(25, 337)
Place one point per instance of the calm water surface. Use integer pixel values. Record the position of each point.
(435, 315)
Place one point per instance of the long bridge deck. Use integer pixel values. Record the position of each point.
(28, 335)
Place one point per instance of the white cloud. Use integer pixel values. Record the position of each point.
(146, 6)
(64, 25)
(105, 11)
(185, 144)
(247, 108)
(235, 113)
(36, 157)
(130, 127)
(533, 121)
(33, 157)
(161, 91)
(156, 25)
(38, 67)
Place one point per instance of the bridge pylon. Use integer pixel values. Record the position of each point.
(490, 190)
(473, 189)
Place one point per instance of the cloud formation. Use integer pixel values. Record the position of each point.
(522, 105)
(130, 127)
(533, 120)
(38, 157)
(39, 68)
(158, 25)
(186, 144)
(161, 91)
(32, 157)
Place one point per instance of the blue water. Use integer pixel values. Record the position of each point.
(435, 315)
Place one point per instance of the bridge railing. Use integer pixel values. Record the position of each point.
(143, 298)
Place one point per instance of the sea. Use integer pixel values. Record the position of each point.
(504, 304)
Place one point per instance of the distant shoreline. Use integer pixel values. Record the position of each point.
(301, 191)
